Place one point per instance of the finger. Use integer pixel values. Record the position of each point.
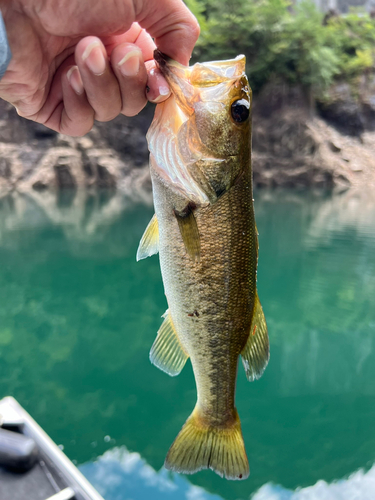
(127, 63)
(172, 25)
(145, 42)
(157, 87)
(67, 109)
(77, 117)
(100, 83)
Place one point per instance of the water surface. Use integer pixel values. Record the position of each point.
(78, 316)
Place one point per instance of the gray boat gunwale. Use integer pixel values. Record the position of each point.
(49, 450)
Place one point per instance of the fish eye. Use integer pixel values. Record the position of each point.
(240, 110)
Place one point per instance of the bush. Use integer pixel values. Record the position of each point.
(292, 45)
(353, 39)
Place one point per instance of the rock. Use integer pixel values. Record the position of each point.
(64, 177)
(39, 186)
(351, 113)
(5, 168)
(291, 148)
(342, 110)
(368, 109)
(334, 147)
(41, 132)
(34, 158)
(128, 136)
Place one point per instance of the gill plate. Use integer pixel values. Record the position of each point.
(166, 159)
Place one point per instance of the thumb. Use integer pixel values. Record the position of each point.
(174, 28)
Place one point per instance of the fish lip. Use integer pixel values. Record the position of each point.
(161, 58)
(169, 68)
(164, 63)
(177, 76)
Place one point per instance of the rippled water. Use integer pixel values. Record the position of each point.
(78, 316)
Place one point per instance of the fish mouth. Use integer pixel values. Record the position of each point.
(191, 84)
(178, 79)
(170, 68)
(200, 74)
(162, 59)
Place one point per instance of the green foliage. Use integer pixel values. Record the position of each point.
(353, 38)
(294, 45)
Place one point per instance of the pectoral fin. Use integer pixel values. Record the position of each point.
(255, 354)
(149, 244)
(189, 232)
(167, 352)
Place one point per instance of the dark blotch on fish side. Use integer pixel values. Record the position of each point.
(195, 313)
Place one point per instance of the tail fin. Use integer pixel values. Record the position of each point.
(201, 446)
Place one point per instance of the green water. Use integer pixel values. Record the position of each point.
(78, 316)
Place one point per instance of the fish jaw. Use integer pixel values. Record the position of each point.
(190, 84)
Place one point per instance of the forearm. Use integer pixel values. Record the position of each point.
(5, 54)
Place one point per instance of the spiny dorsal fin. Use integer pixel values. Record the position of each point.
(149, 244)
(167, 352)
(189, 232)
(256, 353)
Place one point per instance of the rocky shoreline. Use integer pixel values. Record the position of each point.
(291, 148)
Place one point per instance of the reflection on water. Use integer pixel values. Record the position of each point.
(81, 215)
(119, 473)
(78, 316)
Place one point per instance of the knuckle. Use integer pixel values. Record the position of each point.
(195, 28)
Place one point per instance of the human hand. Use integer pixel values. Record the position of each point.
(76, 61)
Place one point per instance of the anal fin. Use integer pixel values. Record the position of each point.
(149, 244)
(256, 353)
(167, 352)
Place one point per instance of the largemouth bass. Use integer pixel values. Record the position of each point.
(205, 232)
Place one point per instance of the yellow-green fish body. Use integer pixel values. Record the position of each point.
(204, 229)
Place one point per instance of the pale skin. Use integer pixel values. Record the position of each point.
(76, 61)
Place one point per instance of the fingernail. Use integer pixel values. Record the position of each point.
(129, 64)
(163, 91)
(75, 80)
(94, 58)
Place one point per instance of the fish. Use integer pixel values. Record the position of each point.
(204, 230)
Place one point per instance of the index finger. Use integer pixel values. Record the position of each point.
(172, 25)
